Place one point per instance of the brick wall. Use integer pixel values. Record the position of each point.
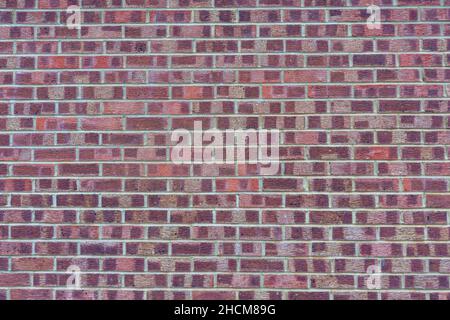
(89, 191)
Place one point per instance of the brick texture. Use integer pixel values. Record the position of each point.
(86, 177)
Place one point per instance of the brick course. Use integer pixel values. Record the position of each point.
(86, 177)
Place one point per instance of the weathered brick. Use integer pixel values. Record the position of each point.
(86, 177)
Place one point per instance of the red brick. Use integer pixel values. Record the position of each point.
(86, 176)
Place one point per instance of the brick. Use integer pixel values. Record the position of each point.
(438, 201)
(32, 264)
(14, 280)
(86, 176)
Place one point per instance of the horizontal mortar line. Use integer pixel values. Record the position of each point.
(262, 209)
(153, 116)
(246, 52)
(241, 257)
(256, 175)
(399, 225)
(243, 100)
(99, 116)
(170, 131)
(226, 84)
(329, 22)
(176, 273)
(190, 193)
(265, 289)
(232, 225)
(203, 117)
(19, 101)
(229, 53)
(234, 69)
(82, 177)
(424, 258)
(200, 117)
(219, 54)
(152, 209)
(229, 240)
(226, 176)
(216, 257)
(268, 113)
(192, 81)
(227, 208)
(218, 208)
(220, 241)
(262, 193)
(215, 210)
(263, 8)
(225, 145)
(232, 289)
(203, 38)
(167, 115)
(256, 258)
(369, 38)
(108, 193)
(236, 224)
(213, 8)
(215, 54)
(13, 102)
(228, 225)
(134, 54)
(303, 161)
(165, 224)
(310, 177)
(206, 130)
(273, 272)
(221, 273)
(234, 83)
